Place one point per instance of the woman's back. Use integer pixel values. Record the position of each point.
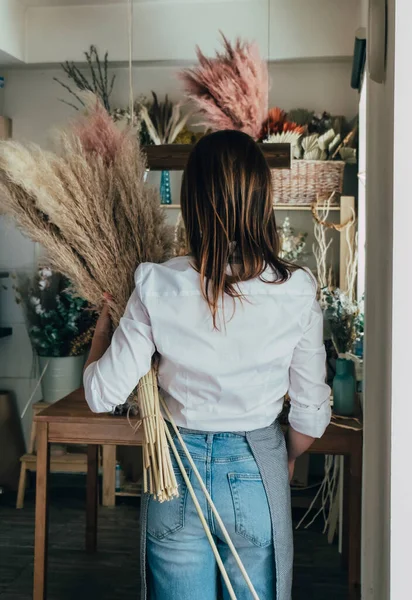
(232, 377)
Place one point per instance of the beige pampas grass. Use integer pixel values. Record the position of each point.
(89, 207)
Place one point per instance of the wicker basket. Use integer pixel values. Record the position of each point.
(307, 181)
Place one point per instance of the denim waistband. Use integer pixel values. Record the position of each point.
(185, 431)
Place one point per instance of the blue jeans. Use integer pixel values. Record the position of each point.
(181, 563)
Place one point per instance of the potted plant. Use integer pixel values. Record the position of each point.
(342, 316)
(60, 326)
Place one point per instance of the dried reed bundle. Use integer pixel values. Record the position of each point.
(156, 457)
(89, 207)
(230, 90)
(95, 131)
(163, 120)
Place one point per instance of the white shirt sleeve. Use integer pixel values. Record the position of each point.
(310, 396)
(109, 381)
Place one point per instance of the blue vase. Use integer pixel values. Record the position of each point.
(165, 191)
(344, 388)
(358, 347)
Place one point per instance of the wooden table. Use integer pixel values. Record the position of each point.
(71, 421)
(348, 443)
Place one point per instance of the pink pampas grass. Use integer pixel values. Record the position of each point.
(231, 90)
(96, 132)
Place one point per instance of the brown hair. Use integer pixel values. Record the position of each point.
(227, 197)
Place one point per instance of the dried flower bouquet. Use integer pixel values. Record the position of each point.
(230, 90)
(88, 205)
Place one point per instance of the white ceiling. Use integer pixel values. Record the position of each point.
(70, 2)
(77, 2)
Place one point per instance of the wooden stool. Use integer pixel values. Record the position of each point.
(11, 441)
(70, 462)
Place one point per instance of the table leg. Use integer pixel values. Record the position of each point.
(354, 485)
(346, 464)
(41, 522)
(92, 497)
(109, 475)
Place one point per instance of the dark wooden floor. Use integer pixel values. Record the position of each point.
(113, 573)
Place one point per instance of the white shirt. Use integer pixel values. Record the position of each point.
(231, 379)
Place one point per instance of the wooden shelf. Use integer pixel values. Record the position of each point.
(70, 462)
(298, 207)
(173, 157)
(130, 489)
(277, 207)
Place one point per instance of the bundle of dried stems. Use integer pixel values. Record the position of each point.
(96, 80)
(89, 207)
(321, 247)
(164, 120)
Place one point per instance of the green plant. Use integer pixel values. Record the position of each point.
(292, 244)
(56, 317)
(343, 316)
(99, 82)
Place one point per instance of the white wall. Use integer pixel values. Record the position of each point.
(379, 341)
(31, 98)
(170, 30)
(401, 486)
(387, 494)
(162, 30)
(32, 103)
(12, 31)
(312, 28)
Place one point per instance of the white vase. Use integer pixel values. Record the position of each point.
(62, 376)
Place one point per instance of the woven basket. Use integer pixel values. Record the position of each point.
(307, 181)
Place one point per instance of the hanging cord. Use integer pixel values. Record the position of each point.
(268, 60)
(131, 95)
(130, 28)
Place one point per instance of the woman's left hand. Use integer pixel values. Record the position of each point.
(102, 334)
(104, 323)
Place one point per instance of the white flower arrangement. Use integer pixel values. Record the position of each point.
(292, 244)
